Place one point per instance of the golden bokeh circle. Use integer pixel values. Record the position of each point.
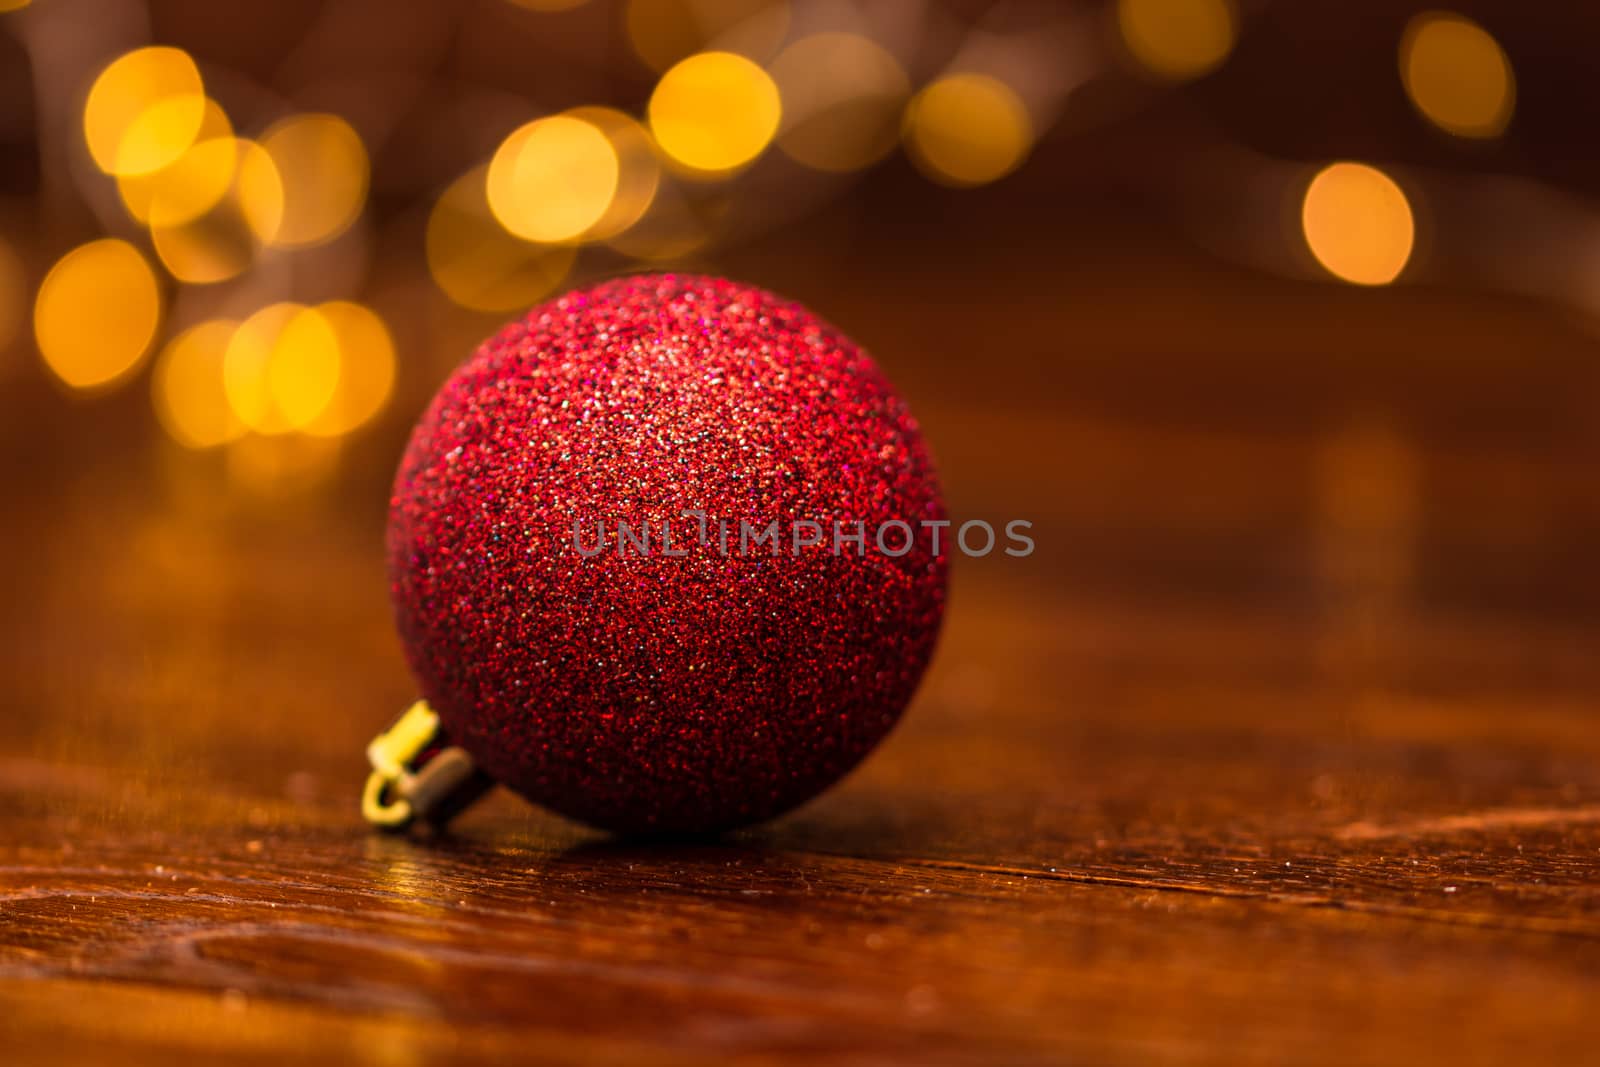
(1178, 39)
(96, 313)
(714, 113)
(366, 368)
(224, 241)
(187, 387)
(1457, 75)
(194, 184)
(552, 179)
(144, 110)
(1358, 223)
(638, 173)
(324, 170)
(281, 368)
(967, 129)
(190, 184)
(842, 97)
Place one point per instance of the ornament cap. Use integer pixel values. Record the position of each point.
(416, 774)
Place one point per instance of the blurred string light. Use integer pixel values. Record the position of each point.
(187, 387)
(1358, 223)
(144, 110)
(842, 97)
(194, 184)
(663, 32)
(324, 171)
(366, 368)
(96, 313)
(967, 129)
(714, 113)
(1457, 75)
(324, 371)
(225, 240)
(1177, 39)
(552, 179)
(189, 185)
(281, 368)
(12, 5)
(638, 169)
(477, 263)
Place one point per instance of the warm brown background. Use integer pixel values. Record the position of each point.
(1281, 749)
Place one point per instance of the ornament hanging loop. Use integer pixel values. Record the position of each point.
(416, 775)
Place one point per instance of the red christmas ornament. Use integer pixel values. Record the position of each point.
(767, 628)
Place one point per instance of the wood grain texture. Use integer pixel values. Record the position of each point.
(1282, 748)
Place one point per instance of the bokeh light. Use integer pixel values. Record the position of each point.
(967, 129)
(366, 368)
(1358, 223)
(187, 387)
(97, 313)
(13, 5)
(143, 110)
(842, 97)
(663, 32)
(1457, 75)
(281, 368)
(638, 169)
(224, 241)
(189, 185)
(477, 263)
(324, 171)
(1177, 39)
(714, 112)
(323, 370)
(552, 179)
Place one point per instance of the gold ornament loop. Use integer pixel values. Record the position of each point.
(398, 791)
(378, 809)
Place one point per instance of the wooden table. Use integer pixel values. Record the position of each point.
(1282, 749)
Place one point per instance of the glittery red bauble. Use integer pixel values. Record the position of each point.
(666, 693)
